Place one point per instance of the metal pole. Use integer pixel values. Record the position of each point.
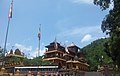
(39, 40)
(10, 16)
(6, 39)
(39, 48)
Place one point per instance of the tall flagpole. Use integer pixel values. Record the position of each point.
(6, 36)
(39, 36)
(9, 16)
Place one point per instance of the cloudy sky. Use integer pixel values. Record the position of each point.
(76, 21)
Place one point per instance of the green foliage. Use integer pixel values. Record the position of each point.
(1, 53)
(15, 59)
(33, 62)
(102, 3)
(36, 61)
(94, 52)
(114, 48)
(111, 26)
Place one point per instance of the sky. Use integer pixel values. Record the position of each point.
(68, 21)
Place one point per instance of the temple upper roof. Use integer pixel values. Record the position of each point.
(54, 44)
(72, 45)
(73, 48)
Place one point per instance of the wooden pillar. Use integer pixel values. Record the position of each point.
(60, 74)
(17, 73)
(63, 74)
(67, 75)
(56, 74)
(29, 73)
(46, 74)
(2, 72)
(38, 74)
(52, 74)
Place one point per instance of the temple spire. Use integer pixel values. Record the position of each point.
(55, 45)
(55, 40)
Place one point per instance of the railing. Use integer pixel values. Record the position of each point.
(53, 56)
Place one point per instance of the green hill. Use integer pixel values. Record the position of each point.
(94, 52)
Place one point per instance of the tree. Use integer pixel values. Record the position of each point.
(111, 26)
(1, 56)
(94, 52)
(104, 4)
(1, 52)
(36, 61)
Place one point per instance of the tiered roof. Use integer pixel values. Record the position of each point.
(55, 46)
(69, 56)
(17, 53)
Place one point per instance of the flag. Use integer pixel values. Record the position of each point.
(39, 35)
(10, 11)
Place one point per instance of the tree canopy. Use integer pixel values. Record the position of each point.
(94, 53)
(111, 26)
(36, 61)
(104, 4)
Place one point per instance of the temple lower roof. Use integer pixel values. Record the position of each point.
(74, 61)
(54, 58)
(14, 55)
(53, 51)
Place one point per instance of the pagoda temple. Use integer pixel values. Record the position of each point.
(55, 54)
(69, 59)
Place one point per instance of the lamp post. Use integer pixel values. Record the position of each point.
(101, 60)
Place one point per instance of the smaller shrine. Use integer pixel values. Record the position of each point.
(13, 59)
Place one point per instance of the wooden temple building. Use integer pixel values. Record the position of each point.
(70, 59)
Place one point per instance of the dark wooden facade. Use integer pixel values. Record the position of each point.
(69, 58)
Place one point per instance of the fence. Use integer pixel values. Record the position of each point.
(3, 72)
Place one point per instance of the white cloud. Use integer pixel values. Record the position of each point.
(86, 38)
(66, 41)
(34, 53)
(23, 47)
(83, 1)
(8, 45)
(89, 33)
(80, 31)
(42, 52)
(29, 51)
(111, 6)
